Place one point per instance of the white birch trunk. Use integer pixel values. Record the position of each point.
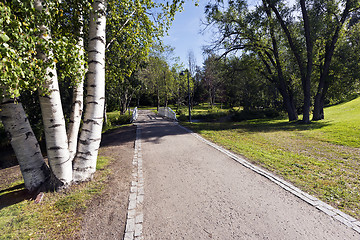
(33, 168)
(85, 160)
(77, 107)
(53, 117)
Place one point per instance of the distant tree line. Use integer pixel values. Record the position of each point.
(295, 59)
(307, 52)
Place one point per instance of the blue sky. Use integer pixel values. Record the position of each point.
(184, 33)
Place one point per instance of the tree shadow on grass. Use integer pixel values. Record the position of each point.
(14, 195)
(259, 125)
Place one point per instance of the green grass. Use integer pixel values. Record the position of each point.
(146, 108)
(202, 111)
(58, 216)
(116, 120)
(322, 158)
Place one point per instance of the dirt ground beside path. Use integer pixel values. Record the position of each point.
(105, 217)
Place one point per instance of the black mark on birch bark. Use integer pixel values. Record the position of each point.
(93, 102)
(94, 61)
(55, 148)
(36, 153)
(28, 134)
(98, 39)
(85, 153)
(94, 51)
(84, 169)
(55, 125)
(84, 142)
(91, 120)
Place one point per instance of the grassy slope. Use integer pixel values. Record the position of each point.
(321, 158)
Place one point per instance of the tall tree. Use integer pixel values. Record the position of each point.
(32, 165)
(254, 31)
(52, 112)
(90, 137)
(211, 78)
(334, 20)
(78, 98)
(37, 31)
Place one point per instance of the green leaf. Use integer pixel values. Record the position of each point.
(4, 37)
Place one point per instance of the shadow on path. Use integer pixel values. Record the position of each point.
(118, 136)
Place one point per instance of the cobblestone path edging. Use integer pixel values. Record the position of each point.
(135, 216)
(320, 205)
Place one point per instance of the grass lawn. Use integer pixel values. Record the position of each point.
(321, 158)
(55, 218)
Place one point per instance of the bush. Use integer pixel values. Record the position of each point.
(254, 114)
(115, 119)
(179, 112)
(211, 116)
(182, 118)
(122, 119)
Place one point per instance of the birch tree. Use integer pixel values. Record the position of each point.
(52, 113)
(77, 101)
(37, 72)
(90, 137)
(32, 165)
(18, 71)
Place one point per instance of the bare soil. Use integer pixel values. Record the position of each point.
(105, 217)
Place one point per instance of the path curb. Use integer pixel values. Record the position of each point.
(336, 214)
(135, 216)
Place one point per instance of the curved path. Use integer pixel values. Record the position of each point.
(193, 191)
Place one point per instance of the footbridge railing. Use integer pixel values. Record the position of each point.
(167, 112)
(134, 114)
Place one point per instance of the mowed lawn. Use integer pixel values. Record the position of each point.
(322, 158)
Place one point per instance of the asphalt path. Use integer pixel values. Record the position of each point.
(193, 191)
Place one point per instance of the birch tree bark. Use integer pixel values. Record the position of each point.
(85, 160)
(33, 168)
(52, 114)
(77, 105)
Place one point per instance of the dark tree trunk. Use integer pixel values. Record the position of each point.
(105, 116)
(319, 101)
(279, 81)
(309, 53)
(158, 100)
(289, 104)
(324, 71)
(305, 76)
(307, 100)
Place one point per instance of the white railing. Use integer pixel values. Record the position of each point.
(134, 114)
(167, 112)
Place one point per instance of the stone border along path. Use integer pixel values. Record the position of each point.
(135, 216)
(320, 205)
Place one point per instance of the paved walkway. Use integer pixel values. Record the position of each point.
(193, 191)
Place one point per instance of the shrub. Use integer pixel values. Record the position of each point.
(254, 114)
(115, 119)
(182, 118)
